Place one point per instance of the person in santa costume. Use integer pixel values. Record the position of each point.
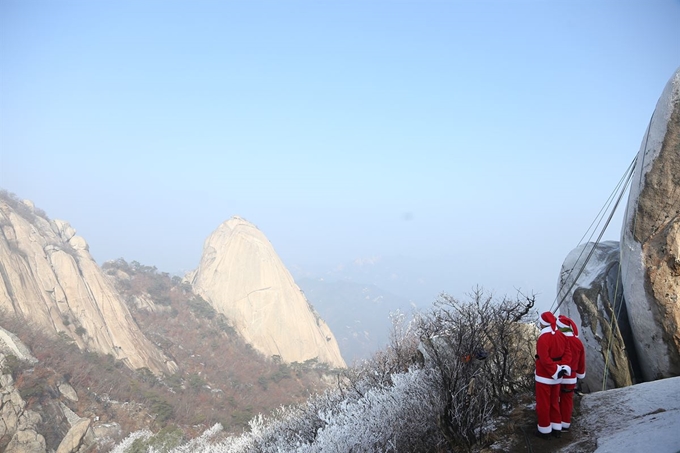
(553, 357)
(578, 369)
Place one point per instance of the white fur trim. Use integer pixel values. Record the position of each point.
(546, 330)
(554, 376)
(544, 430)
(580, 376)
(569, 380)
(556, 426)
(568, 333)
(566, 425)
(562, 325)
(546, 380)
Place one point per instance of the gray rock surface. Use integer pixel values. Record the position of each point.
(593, 297)
(650, 252)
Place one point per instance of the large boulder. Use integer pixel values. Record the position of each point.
(68, 391)
(592, 296)
(48, 277)
(650, 251)
(78, 438)
(11, 345)
(243, 278)
(19, 426)
(26, 441)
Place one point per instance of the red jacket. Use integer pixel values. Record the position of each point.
(552, 351)
(578, 359)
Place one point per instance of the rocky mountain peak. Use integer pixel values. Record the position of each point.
(48, 277)
(242, 277)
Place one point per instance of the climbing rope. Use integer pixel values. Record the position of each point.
(621, 188)
(615, 318)
(627, 176)
(614, 325)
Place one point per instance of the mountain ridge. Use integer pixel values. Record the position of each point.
(50, 278)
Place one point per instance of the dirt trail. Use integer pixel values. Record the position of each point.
(519, 433)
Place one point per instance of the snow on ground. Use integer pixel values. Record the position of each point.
(640, 418)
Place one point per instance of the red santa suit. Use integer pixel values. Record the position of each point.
(578, 369)
(552, 357)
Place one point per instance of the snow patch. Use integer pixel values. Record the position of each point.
(642, 417)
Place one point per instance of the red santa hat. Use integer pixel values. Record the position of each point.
(563, 322)
(548, 319)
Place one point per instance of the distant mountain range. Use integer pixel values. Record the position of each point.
(357, 298)
(358, 313)
(418, 281)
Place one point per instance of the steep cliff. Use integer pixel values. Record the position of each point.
(241, 275)
(650, 241)
(48, 277)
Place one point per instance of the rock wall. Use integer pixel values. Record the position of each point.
(241, 275)
(647, 266)
(48, 277)
(594, 300)
(18, 425)
(650, 238)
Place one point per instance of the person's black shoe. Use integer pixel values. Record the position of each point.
(541, 435)
(565, 430)
(556, 433)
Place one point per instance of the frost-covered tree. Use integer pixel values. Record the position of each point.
(434, 388)
(478, 349)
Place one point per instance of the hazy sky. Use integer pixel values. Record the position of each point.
(483, 136)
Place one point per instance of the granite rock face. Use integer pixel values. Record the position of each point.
(626, 300)
(48, 276)
(242, 277)
(18, 424)
(650, 238)
(592, 295)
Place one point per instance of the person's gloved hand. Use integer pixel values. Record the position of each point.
(565, 370)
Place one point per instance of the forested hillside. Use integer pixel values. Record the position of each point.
(220, 378)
